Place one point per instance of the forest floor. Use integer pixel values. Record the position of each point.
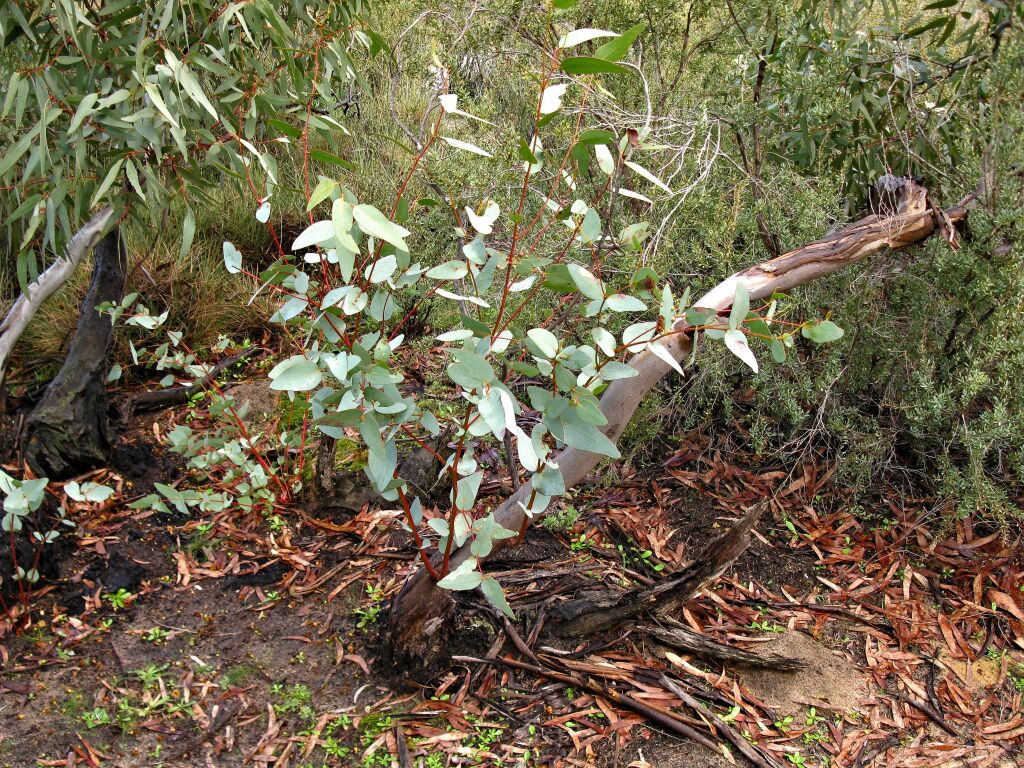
(220, 641)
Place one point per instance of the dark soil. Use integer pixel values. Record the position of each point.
(774, 564)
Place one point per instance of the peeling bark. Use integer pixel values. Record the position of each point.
(67, 432)
(422, 609)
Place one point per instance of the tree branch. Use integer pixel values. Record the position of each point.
(58, 273)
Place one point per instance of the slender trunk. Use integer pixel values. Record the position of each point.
(67, 431)
(25, 308)
(421, 614)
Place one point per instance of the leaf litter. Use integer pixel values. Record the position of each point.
(243, 645)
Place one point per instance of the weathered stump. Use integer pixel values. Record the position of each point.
(67, 431)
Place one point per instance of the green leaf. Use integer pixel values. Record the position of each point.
(316, 233)
(465, 146)
(604, 340)
(740, 305)
(450, 270)
(321, 192)
(296, 374)
(158, 101)
(107, 181)
(545, 340)
(778, 351)
(486, 531)
(587, 65)
(617, 48)
(585, 280)
(84, 110)
(917, 31)
(90, 492)
(471, 371)
(466, 576)
(648, 175)
(558, 278)
(822, 332)
(232, 258)
(188, 233)
(613, 370)
(736, 341)
(596, 136)
(587, 437)
(327, 157)
(466, 490)
(15, 152)
(548, 482)
(374, 223)
(621, 302)
(495, 595)
(579, 36)
(381, 269)
(194, 90)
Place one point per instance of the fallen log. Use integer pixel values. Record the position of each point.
(420, 615)
(158, 398)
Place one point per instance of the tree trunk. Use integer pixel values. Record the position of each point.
(66, 433)
(421, 614)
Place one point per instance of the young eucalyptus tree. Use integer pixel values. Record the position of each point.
(129, 110)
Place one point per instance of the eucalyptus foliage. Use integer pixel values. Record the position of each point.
(145, 104)
(349, 281)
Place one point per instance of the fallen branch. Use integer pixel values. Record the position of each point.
(685, 639)
(422, 610)
(663, 717)
(52, 278)
(589, 615)
(160, 397)
(758, 757)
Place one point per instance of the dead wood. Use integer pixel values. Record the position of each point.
(668, 720)
(67, 432)
(144, 401)
(685, 639)
(758, 757)
(422, 606)
(602, 612)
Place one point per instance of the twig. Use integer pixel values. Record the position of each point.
(404, 760)
(160, 397)
(932, 715)
(748, 750)
(662, 717)
(517, 641)
(224, 716)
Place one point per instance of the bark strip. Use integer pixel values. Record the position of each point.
(589, 615)
(684, 639)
